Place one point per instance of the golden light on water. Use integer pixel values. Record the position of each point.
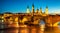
(33, 30)
(17, 24)
(23, 26)
(15, 31)
(14, 25)
(24, 31)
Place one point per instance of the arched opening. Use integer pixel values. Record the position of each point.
(57, 24)
(42, 24)
(22, 21)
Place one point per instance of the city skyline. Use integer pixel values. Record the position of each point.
(16, 6)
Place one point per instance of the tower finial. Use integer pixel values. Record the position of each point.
(46, 6)
(27, 6)
(40, 8)
(32, 5)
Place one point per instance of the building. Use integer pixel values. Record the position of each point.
(31, 17)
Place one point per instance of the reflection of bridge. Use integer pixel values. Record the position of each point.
(32, 17)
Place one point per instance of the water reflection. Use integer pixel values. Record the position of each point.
(32, 29)
(23, 30)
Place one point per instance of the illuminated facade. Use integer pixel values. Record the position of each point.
(31, 17)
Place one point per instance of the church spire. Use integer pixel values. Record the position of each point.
(28, 10)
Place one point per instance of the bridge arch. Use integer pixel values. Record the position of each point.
(41, 22)
(56, 24)
(24, 19)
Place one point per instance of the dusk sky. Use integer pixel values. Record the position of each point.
(16, 6)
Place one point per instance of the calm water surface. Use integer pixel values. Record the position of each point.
(32, 29)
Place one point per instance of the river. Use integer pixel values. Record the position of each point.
(31, 29)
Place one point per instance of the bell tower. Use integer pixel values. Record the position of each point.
(28, 10)
(46, 10)
(32, 8)
(40, 10)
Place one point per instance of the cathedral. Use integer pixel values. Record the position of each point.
(15, 16)
(30, 17)
(37, 10)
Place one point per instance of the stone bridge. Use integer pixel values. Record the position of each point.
(49, 20)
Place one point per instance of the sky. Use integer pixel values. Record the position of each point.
(20, 6)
